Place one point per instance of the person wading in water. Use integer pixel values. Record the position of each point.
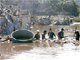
(37, 36)
(76, 35)
(61, 34)
(43, 35)
(51, 34)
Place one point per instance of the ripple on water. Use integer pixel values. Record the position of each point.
(67, 51)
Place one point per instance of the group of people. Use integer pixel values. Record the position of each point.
(52, 35)
(10, 24)
(9, 20)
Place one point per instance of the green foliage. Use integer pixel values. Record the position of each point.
(16, 2)
(10, 2)
(55, 6)
(35, 4)
(74, 9)
(52, 7)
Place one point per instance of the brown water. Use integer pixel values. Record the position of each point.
(42, 50)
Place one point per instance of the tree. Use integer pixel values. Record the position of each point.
(55, 6)
(74, 8)
(16, 2)
(35, 5)
(7, 2)
(52, 7)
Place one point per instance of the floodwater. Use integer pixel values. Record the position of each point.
(42, 50)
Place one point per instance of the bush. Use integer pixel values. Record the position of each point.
(16, 2)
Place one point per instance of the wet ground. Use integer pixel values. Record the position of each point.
(41, 50)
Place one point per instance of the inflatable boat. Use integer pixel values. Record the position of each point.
(22, 36)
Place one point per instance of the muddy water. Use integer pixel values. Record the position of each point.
(42, 50)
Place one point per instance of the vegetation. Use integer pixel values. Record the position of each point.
(52, 7)
(10, 2)
(16, 2)
(35, 5)
(6, 2)
(65, 6)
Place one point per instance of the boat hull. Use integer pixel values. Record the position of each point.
(17, 41)
(22, 36)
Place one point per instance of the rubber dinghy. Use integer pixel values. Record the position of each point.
(22, 36)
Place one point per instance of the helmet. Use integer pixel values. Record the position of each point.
(38, 30)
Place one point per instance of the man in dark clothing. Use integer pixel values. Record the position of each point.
(61, 34)
(77, 35)
(51, 34)
(43, 35)
(37, 36)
